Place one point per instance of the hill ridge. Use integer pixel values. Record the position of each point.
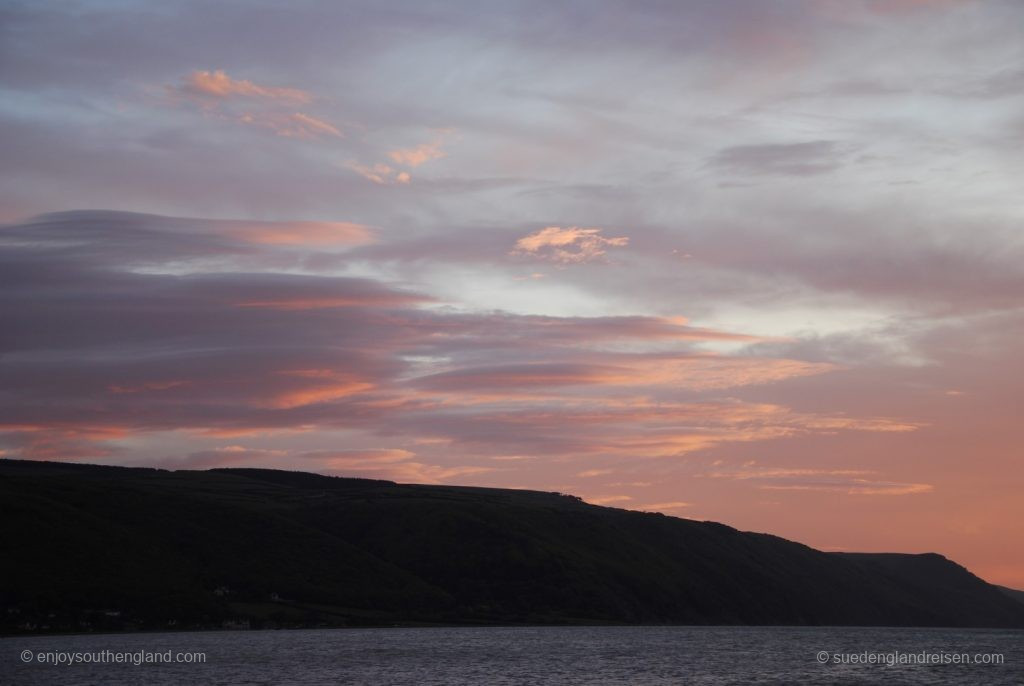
(88, 547)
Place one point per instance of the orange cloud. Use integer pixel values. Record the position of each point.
(384, 174)
(95, 431)
(218, 84)
(570, 245)
(888, 488)
(62, 441)
(240, 101)
(773, 473)
(866, 424)
(579, 329)
(381, 174)
(302, 233)
(682, 443)
(310, 396)
(709, 372)
(856, 487)
(635, 426)
(417, 472)
(608, 499)
(293, 125)
(304, 126)
(594, 472)
(849, 481)
(393, 463)
(696, 372)
(360, 460)
(316, 386)
(657, 507)
(414, 157)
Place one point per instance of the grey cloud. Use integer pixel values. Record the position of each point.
(786, 159)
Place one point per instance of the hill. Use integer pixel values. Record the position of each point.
(88, 547)
(1012, 593)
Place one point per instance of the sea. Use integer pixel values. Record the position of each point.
(641, 656)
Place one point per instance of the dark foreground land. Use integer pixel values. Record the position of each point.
(89, 548)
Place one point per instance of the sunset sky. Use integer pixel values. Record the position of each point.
(755, 262)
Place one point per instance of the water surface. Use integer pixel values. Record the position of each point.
(638, 656)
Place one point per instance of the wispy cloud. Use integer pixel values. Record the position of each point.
(301, 233)
(219, 334)
(659, 507)
(289, 125)
(787, 159)
(217, 84)
(855, 487)
(849, 481)
(417, 155)
(385, 174)
(395, 464)
(608, 499)
(220, 97)
(589, 473)
(296, 125)
(381, 173)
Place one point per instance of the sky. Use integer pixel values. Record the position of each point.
(756, 262)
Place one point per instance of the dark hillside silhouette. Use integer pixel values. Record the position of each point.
(100, 548)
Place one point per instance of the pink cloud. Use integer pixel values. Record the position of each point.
(569, 245)
(219, 97)
(316, 386)
(849, 481)
(302, 233)
(291, 125)
(590, 473)
(671, 506)
(698, 372)
(608, 499)
(218, 84)
(393, 463)
(420, 154)
(215, 350)
(381, 174)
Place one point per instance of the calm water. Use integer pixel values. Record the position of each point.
(522, 655)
